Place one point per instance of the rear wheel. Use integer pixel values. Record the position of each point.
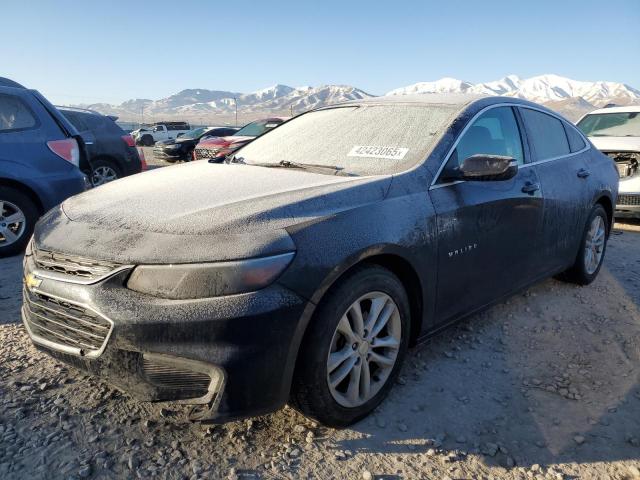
(18, 216)
(592, 248)
(104, 171)
(354, 348)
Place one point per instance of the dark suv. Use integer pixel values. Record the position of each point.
(40, 152)
(112, 152)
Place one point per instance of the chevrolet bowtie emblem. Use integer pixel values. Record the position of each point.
(31, 281)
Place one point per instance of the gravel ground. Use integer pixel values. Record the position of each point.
(545, 385)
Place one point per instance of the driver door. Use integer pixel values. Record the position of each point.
(488, 231)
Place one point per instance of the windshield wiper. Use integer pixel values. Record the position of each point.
(288, 164)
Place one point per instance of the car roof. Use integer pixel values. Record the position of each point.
(7, 82)
(455, 100)
(627, 109)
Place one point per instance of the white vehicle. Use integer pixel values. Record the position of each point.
(159, 131)
(615, 131)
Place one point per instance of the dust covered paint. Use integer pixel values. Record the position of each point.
(324, 217)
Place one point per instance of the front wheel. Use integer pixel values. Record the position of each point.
(353, 349)
(592, 248)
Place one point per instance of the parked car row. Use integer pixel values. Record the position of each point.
(181, 148)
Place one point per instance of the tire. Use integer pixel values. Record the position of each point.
(147, 141)
(580, 272)
(12, 202)
(104, 171)
(311, 393)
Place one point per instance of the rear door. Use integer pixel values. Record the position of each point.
(486, 229)
(561, 167)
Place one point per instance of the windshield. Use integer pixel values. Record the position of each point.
(621, 124)
(360, 140)
(195, 133)
(255, 129)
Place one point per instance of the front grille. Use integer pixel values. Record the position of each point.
(629, 200)
(65, 323)
(73, 266)
(171, 377)
(204, 153)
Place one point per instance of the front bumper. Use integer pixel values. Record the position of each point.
(161, 153)
(628, 205)
(230, 353)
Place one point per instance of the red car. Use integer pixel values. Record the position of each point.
(217, 148)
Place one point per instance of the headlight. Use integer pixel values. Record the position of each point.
(202, 280)
(174, 146)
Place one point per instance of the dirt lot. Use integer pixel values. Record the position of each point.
(545, 385)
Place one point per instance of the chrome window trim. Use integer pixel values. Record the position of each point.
(435, 186)
(65, 348)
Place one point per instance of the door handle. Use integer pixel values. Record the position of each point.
(583, 173)
(530, 188)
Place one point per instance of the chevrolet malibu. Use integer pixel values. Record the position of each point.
(303, 268)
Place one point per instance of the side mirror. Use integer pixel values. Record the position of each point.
(488, 168)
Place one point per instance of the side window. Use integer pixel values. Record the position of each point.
(495, 132)
(14, 114)
(546, 134)
(576, 142)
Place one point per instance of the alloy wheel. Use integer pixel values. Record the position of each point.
(594, 245)
(12, 223)
(102, 175)
(364, 349)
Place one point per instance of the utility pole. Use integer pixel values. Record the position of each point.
(235, 101)
(291, 109)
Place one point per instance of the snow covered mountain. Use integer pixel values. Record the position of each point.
(202, 103)
(571, 97)
(542, 89)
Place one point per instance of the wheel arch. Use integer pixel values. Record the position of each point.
(7, 182)
(108, 158)
(607, 204)
(387, 257)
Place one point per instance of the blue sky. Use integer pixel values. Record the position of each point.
(80, 52)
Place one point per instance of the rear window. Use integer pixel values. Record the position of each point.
(76, 120)
(546, 134)
(15, 114)
(361, 140)
(100, 124)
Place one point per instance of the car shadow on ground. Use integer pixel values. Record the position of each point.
(551, 376)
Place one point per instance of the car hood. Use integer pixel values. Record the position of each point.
(200, 212)
(622, 144)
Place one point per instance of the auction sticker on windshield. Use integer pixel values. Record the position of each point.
(374, 151)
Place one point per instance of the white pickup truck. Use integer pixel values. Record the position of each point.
(159, 131)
